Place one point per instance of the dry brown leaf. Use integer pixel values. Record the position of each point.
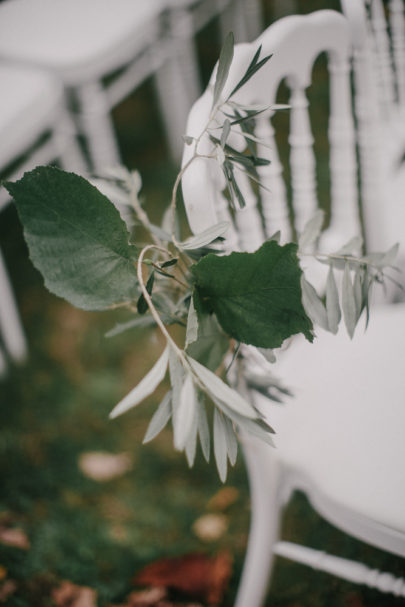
(14, 536)
(195, 575)
(223, 498)
(71, 595)
(210, 527)
(101, 466)
(7, 588)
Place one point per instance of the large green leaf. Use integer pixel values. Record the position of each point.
(255, 296)
(76, 238)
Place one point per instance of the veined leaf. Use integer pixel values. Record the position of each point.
(313, 304)
(76, 238)
(255, 296)
(311, 231)
(159, 419)
(203, 429)
(192, 324)
(221, 391)
(145, 387)
(348, 302)
(224, 63)
(332, 303)
(220, 446)
(256, 427)
(141, 304)
(186, 411)
(211, 343)
(206, 237)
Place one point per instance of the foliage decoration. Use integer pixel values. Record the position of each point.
(234, 308)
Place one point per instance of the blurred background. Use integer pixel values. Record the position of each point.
(80, 498)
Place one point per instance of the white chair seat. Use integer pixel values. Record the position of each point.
(341, 435)
(32, 96)
(87, 38)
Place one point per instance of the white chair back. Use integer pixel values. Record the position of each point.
(203, 182)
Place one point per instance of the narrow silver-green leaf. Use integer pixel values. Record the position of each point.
(220, 390)
(313, 305)
(206, 237)
(159, 419)
(256, 427)
(224, 63)
(348, 302)
(226, 129)
(231, 440)
(76, 238)
(311, 231)
(176, 373)
(332, 303)
(220, 446)
(203, 429)
(184, 415)
(192, 324)
(145, 387)
(190, 448)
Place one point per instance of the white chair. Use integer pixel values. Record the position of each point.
(86, 42)
(339, 438)
(378, 39)
(35, 128)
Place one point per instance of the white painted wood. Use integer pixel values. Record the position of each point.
(349, 570)
(348, 395)
(397, 25)
(383, 56)
(273, 194)
(302, 159)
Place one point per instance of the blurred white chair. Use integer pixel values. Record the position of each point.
(35, 128)
(378, 39)
(103, 49)
(339, 438)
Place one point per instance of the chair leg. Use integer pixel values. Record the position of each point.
(264, 475)
(177, 81)
(67, 145)
(97, 127)
(243, 18)
(10, 324)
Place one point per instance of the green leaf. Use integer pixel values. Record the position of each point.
(226, 129)
(141, 304)
(206, 237)
(211, 344)
(251, 70)
(76, 238)
(332, 303)
(311, 231)
(219, 390)
(224, 63)
(349, 302)
(185, 413)
(192, 325)
(159, 419)
(145, 387)
(220, 445)
(203, 429)
(313, 304)
(255, 296)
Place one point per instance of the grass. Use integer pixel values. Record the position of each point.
(55, 408)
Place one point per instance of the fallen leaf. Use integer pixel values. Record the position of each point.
(145, 598)
(7, 588)
(210, 527)
(223, 498)
(101, 466)
(71, 595)
(195, 575)
(14, 536)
